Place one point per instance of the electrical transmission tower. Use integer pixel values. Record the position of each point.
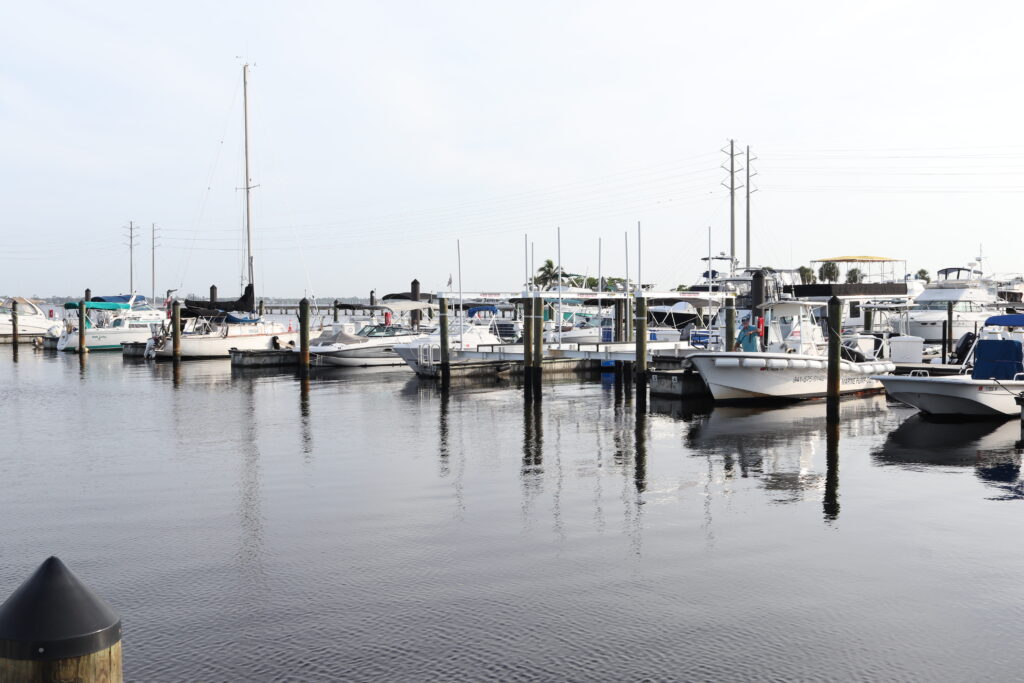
(133, 239)
(732, 187)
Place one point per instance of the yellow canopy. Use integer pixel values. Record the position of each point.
(858, 259)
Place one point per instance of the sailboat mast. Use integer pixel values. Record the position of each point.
(248, 177)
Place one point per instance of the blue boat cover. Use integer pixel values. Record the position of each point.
(481, 309)
(1009, 320)
(997, 359)
(235, 319)
(121, 299)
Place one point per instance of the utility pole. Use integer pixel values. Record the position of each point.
(731, 151)
(132, 234)
(750, 191)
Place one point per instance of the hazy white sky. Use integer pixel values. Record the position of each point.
(384, 131)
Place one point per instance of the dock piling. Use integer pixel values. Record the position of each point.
(414, 316)
(176, 330)
(539, 306)
(14, 325)
(945, 353)
(213, 296)
(730, 324)
(446, 370)
(947, 337)
(82, 317)
(53, 628)
(334, 308)
(640, 374)
(835, 325)
(304, 335)
(261, 308)
(528, 346)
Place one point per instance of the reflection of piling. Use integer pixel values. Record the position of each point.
(830, 502)
(640, 437)
(53, 628)
(304, 335)
(730, 324)
(835, 323)
(446, 370)
(176, 330)
(82, 348)
(947, 337)
(14, 325)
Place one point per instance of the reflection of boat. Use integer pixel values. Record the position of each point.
(989, 391)
(32, 322)
(767, 426)
(793, 367)
(919, 441)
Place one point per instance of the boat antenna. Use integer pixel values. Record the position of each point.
(248, 177)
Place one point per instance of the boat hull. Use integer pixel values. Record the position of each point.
(778, 376)
(219, 346)
(102, 338)
(955, 397)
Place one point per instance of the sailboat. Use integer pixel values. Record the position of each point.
(211, 329)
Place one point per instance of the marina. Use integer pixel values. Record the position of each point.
(468, 342)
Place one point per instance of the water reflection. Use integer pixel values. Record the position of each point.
(532, 470)
(304, 418)
(778, 445)
(993, 449)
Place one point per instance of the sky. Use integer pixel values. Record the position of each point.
(389, 137)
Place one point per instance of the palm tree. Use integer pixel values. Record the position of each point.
(829, 272)
(806, 275)
(854, 276)
(923, 275)
(547, 274)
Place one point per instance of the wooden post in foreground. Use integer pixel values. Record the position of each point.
(53, 628)
(176, 330)
(82, 319)
(335, 309)
(446, 370)
(835, 325)
(304, 335)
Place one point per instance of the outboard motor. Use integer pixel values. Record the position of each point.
(851, 354)
(963, 346)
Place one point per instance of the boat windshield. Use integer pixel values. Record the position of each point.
(380, 331)
(959, 306)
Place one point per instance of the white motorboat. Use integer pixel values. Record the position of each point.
(973, 297)
(996, 379)
(793, 367)
(423, 355)
(32, 322)
(373, 345)
(110, 321)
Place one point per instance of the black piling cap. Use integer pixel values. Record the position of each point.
(54, 616)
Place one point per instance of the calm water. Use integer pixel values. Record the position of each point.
(362, 526)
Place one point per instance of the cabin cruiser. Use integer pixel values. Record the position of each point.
(372, 345)
(974, 299)
(109, 322)
(32, 322)
(990, 390)
(423, 355)
(793, 366)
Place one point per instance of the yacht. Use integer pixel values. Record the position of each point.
(974, 299)
(990, 390)
(372, 345)
(423, 355)
(109, 322)
(32, 322)
(793, 366)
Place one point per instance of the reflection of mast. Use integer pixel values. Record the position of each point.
(251, 513)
